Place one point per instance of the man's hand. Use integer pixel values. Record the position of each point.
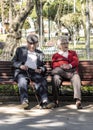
(66, 66)
(38, 70)
(24, 67)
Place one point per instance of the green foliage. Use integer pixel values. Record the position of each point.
(78, 6)
(26, 25)
(59, 7)
(12, 90)
(50, 10)
(6, 8)
(9, 90)
(0, 51)
(87, 90)
(0, 14)
(71, 20)
(33, 14)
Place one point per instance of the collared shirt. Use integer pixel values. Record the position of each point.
(31, 61)
(65, 54)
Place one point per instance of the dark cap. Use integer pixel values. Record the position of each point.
(32, 39)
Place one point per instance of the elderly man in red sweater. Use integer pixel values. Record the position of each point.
(65, 66)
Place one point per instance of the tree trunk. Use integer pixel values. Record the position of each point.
(14, 36)
(40, 27)
(2, 12)
(87, 30)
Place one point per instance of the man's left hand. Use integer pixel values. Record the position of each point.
(66, 66)
(38, 70)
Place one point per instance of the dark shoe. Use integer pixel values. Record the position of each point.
(78, 104)
(25, 104)
(56, 103)
(47, 105)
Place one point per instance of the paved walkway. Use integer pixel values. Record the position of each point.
(66, 117)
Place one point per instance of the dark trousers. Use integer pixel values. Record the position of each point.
(40, 85)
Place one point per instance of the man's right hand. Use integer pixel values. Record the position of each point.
(38, 70)
(24, 67)
(65, 66)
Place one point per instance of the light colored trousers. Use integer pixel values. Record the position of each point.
(76, 82)
(59, 75)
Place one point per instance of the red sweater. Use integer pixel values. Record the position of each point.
(58, 60)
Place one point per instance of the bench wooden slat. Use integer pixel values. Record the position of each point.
(9, 82)
(87, 83)
(86, 62)
(87, 77)
(83, 83)
(84, 70)
(6, 74)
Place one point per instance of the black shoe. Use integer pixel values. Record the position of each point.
(56, 103)
(47, 105)
(25, 104)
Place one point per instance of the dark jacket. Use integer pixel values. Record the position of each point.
(20, 58)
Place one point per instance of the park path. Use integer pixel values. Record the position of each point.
(66, 117)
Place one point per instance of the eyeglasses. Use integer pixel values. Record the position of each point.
(64, 43)
(32, 43)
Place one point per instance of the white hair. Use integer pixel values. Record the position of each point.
(62, 39)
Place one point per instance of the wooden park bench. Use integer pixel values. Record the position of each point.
(85, 71)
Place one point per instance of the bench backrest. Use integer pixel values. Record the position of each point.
(6, 72)
(86, 72)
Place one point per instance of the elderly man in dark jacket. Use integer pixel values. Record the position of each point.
(28, 63)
